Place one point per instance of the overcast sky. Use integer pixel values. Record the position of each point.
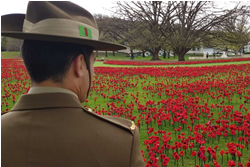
(93, 6)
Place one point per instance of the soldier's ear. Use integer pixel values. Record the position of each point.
(79, 65)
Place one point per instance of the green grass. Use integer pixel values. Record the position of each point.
(100, 64)
(10, 55)
(107, 80)
(168, 128)
(118, 56)
(122, 56)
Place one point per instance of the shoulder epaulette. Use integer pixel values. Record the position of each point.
(124, 123)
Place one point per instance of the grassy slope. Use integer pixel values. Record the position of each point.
(100, 64)
(10, 55)
(188, 160)
(143, 135)
(120, 56)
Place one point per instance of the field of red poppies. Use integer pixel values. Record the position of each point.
(187, 116)
(148, 63)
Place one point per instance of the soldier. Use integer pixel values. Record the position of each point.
(48, 126)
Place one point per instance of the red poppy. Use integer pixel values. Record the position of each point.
(239, 154)
(240, 164)
(184, 146)
(204, 158)
(165, 161)
(182, 153)
(193, 153)
(176, 156)
(191, 145)
(162, 156)
(231, 163)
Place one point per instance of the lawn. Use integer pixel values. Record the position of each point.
(121, 56)
(177, 109)
(118, 56)
(10, 55)
(100, 64)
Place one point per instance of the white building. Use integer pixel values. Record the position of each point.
(201, 50)
(247, 48)
(210, 51)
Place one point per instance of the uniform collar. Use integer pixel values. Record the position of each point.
(45, 89)
(47, 100)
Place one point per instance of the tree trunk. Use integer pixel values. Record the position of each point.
(106, 53)
(155, 54)
(143, 53)
(181, 52)
(164, 54)
(96, 53)
(113, 53)
(169, 54)
(132, 54)
(181, 57)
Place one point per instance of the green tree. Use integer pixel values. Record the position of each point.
(234, 33)
(3, 43)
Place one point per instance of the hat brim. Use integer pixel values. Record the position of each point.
(13, 29)
(98, 45)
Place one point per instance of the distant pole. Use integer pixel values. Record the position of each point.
(164, 54)
(96, 53)
(143, 53)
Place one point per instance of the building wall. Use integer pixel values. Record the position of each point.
(196, 50)
(247, 48)
(210, 51)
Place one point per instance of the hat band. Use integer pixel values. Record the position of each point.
(62, 27)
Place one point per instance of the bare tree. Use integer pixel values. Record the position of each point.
(110, 28)
(123, 31)
(234, 33)
(182, 24)
(146, 22)
(193, 23)
(13, 44)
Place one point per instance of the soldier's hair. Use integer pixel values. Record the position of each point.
(51, 60)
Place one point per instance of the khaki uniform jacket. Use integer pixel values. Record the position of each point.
(53, 130)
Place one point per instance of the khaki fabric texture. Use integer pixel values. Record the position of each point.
(52, 129)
